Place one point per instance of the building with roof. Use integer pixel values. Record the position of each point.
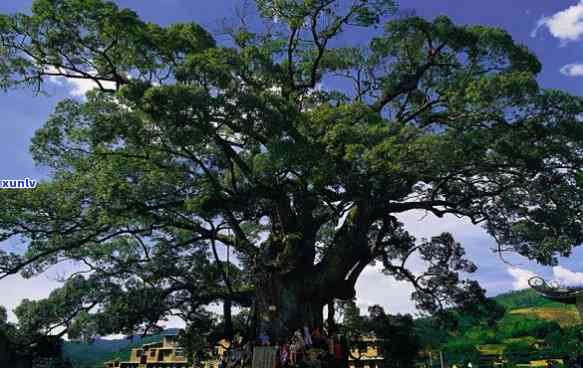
(365, 352)
(163, 354)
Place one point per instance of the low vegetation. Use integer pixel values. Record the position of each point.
(530, 328)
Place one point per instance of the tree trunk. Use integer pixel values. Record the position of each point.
(292, 288)
(228, 319)
(286, 304)
(331, 322)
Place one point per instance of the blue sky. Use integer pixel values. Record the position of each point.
(553, 30)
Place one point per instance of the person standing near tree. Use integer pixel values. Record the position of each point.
(293, 351)
(307, 338)
(296, 348)
(264, 339)
(337, 352)
(284, 354)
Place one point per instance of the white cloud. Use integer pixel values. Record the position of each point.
(77, 87)
(521, 277)
(15, 288)
(423, 224)
(566, 25)
(567, 277)
(374, 287)
(573, 70)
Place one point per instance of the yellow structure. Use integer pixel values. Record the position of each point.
(365, 354)
(220, 349)
(543, 363)
(163, 354)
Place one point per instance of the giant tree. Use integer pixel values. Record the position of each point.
(291, 143)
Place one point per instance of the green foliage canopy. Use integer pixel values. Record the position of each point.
(188, 145)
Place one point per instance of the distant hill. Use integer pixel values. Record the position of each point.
(526, 298)
(528, 303)
(565, 317)
(90, 355)
(94, 354)
(531, 324)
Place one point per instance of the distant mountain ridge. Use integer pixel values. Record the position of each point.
(94, 354)
(526, 298)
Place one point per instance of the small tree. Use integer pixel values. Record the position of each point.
(519, 352)
(399, 343)
(566, 343)
(352, 322)
(461, 353)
